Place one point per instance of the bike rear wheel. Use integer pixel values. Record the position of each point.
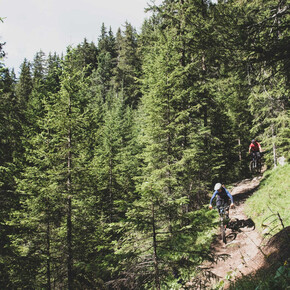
(251, 167)
(259, 165)
(223, 233)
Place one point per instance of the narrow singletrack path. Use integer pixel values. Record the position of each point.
(241, 254)
(243, 241)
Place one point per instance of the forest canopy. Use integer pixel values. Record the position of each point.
(108, 153)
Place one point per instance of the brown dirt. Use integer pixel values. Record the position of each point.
(245, 251)
(243, 241)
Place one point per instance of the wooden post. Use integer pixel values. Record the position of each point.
(240, 152)
(274, 147)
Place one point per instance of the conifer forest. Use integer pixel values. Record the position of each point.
(109, 153)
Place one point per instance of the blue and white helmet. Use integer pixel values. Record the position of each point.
(217, 186)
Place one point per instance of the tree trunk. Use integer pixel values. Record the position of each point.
(111, 190)
(48, 273)
(69, 213)
(274, 147)
(155, 258)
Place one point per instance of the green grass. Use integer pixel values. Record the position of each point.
(263, 207)
(271, 199)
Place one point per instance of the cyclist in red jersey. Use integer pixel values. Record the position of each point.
(255, 149)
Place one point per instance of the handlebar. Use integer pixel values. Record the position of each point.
(222, 206)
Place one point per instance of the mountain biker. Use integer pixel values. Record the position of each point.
(255, 149)
(222, 196)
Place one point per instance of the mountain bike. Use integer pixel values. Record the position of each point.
(224, 219)
(256, 164)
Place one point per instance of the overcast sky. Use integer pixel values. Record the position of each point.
(51, 25)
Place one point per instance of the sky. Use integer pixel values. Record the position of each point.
(52, 25)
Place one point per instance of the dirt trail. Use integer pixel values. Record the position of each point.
(243, 241)
(241, 254)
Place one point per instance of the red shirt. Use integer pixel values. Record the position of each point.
(255, 147)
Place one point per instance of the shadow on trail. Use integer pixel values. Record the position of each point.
(236, 227)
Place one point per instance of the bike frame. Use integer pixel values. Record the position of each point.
(256, 163)
(224, 218)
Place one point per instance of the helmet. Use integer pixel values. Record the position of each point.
(253, 141)
(217, 186)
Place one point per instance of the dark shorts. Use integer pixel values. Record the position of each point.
(222, 202)
(256, 154)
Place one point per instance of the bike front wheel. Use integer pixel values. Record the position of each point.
(223, 233)
(252, 167)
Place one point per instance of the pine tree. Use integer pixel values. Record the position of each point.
(159, 221)
(52, 80)
(128, 66)
(39, 66)
(52, 188)
(24, 85)
(114, 157)
(267, 46)
(230, 88)
(11, 160)
(107, 42)
(102, 76)
(85, 55)
(2, 52)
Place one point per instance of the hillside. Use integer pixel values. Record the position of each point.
(109, 152)
(253, 253)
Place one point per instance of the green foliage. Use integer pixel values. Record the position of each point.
(270, 200)
(11, 162)
(84, 56)
(128, 65)
(24, 85)
(149, 240)
(107, 155)
(269, 80)
(2, 53)
(114, 159)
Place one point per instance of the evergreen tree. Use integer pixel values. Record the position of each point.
(229, 85)
(10, 167)
(2, 52)
(102, 76)
(107, 42)
(35, 102)
(108, 154)
(53, 189)
(85, 55)
(52, 80)
(114, 159)
(39, 66)
(24, 85)
(264, 28)
(169, 185)
(128, 66)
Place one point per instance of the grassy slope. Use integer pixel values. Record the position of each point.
(271, 198)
